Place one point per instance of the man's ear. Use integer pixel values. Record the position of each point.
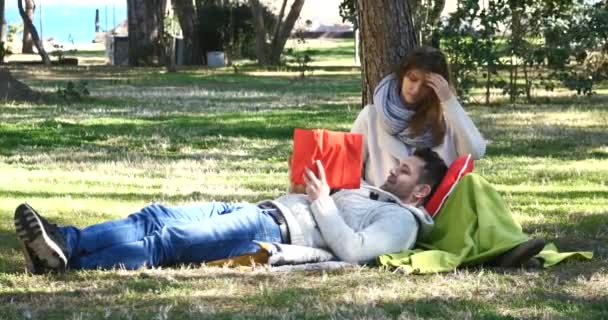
(422, 191)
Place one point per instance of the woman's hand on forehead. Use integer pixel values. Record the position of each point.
(440, 85)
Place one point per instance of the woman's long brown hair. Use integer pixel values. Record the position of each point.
(427, 112)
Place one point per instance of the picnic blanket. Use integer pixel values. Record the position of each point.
(473, 226)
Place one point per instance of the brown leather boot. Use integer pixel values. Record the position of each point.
(520, 254)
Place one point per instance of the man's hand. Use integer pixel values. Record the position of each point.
(316, 186)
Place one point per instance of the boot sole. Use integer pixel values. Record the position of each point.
(519, 255)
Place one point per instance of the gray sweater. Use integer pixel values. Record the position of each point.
(351, 225)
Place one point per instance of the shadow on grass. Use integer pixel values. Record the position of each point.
(568, 143)
(143, 197)
(301, 302)
(199, 132)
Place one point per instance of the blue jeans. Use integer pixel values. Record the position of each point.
(159, 235)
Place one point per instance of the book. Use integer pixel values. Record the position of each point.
(341, 154)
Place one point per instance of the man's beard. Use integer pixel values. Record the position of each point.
(386, 187)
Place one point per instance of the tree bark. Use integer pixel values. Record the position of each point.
(2, 21)
(425, 19)
(271, 53)
(187, 14)
(387, 35)
(277, 27)
(261, 47)
(28, 44)
(146, 28)
(39, 46)
(170, 56)
(278, 42)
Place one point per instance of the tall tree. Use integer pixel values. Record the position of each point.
(2, 32)
(2, 21)
(146, 28)
(387, 35)
(269, 53)
(28, 22)
(187, 14)
(28, 44)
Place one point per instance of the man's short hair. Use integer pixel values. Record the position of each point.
(434, 169)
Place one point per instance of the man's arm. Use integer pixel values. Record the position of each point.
(393, 229)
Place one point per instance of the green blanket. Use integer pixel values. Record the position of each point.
(473, 226)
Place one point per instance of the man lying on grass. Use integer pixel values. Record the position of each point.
(350, 224)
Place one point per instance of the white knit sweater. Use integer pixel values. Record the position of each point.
(351, 225)
(382, 151)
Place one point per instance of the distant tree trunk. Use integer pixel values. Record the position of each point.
(170, 56)
(2, 33)
(387, 35)
(97, 20)
(28, 44)
(187, 14)
(425, 16)
(146, 27)
(488, 83)
(261, 48)
(28, 22)
(2, 21)
(270, 54)
(283, 31)
(434, 19)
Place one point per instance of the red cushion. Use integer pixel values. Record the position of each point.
(341, 154)
(458, 169)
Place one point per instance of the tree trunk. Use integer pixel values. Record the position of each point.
(271, 53)
(28, 22)
(435, 14)
(387, 35)
(28, 45)
(261, 47)
(277, 26)
(97, 20)
(146, 28)
(528, 82)
(170, 56)
(2, 21)
(512, 79)
(187, 14)
(278, 42)
(488, 83)
(434, 20)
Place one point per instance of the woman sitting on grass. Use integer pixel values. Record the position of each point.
(414, 107)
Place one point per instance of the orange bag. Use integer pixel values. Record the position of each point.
(340, 153)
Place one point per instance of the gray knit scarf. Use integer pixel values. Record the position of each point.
(395, 116)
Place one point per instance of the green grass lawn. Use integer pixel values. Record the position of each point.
(199, 135)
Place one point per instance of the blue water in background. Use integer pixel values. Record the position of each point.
(61, 21)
